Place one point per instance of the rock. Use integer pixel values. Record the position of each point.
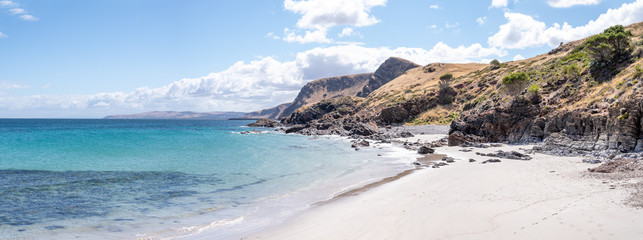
(465, 150)
(425, 150)
(448, 159)
(250, 132)
(508, 155)
(417, 164)
(472, 160)
(264, 122)
(362, 143)
(592, 161)
(493, 160)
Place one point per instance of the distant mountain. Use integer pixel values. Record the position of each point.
(179, 115)
(270, 113)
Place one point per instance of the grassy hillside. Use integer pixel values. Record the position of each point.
(567, 77)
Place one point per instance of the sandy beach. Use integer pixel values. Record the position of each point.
(548, 197)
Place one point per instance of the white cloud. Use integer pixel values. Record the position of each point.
(434, 6)
(518, 57)
(522, 31)
(448, 25)
(7, 86)
(318, 16)
(244, 86)
(330, 13)
(28, 17)
(2, 35)
(498, 3)
(433, 26)
(570, 3)
(481, 20)
(6, 3)
(16, 11)
(315, 36)
(346, 32)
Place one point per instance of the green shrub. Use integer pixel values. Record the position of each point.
(516, 82)
(638, 72)
(495, 64)
(534, 89)
(446, 77)
(612, 45)
(623, 116)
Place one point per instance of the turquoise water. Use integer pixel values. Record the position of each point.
(166, 178)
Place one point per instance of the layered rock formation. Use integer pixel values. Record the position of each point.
(359, 85)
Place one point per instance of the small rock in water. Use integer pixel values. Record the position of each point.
(54, 227)
(416, 163)
(472, 160)
(493, 160)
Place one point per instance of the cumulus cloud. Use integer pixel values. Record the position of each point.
(318, 16)
(522, 31)
(329, 13)
(434, 6)
(570, 3)
(315, 36)
(22, 13)
(28, 17)
(2, 35)
(518, 57)
(244, 86)
(6, 3)
(16, 11)
(7, 86)
(498, 3)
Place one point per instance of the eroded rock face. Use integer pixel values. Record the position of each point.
(389, 70)
(265, 123)
(616, 128)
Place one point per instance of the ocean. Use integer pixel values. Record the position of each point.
(165, 179)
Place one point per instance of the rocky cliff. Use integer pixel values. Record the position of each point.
(269, 113)
(359, 85)
(566, 99)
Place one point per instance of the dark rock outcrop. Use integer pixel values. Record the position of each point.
(617, 128)
(264, 122)
(425, 150)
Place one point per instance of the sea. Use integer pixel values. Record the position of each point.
(170, 179)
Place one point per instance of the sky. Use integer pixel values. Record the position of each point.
(89, 59)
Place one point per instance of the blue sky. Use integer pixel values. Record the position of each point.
(77, 58)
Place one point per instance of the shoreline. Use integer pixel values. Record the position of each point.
(367, 212)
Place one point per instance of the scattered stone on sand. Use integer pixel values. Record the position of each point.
(425, 150)
(472, 160)
(592, 161)
(474, 145)
(508, 155)
(493, 160)
(448, 159)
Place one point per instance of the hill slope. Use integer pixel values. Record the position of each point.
(574, 101)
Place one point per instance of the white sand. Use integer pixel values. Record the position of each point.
(545, 198)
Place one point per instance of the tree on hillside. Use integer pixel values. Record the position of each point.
(516, 82)
(613, 45)
(495, 64)
(446, 93)
(445, 82)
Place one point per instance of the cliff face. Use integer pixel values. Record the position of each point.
(269, 113)
(326, 88)
(359, 85)
(389, 70)
(568, 102)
